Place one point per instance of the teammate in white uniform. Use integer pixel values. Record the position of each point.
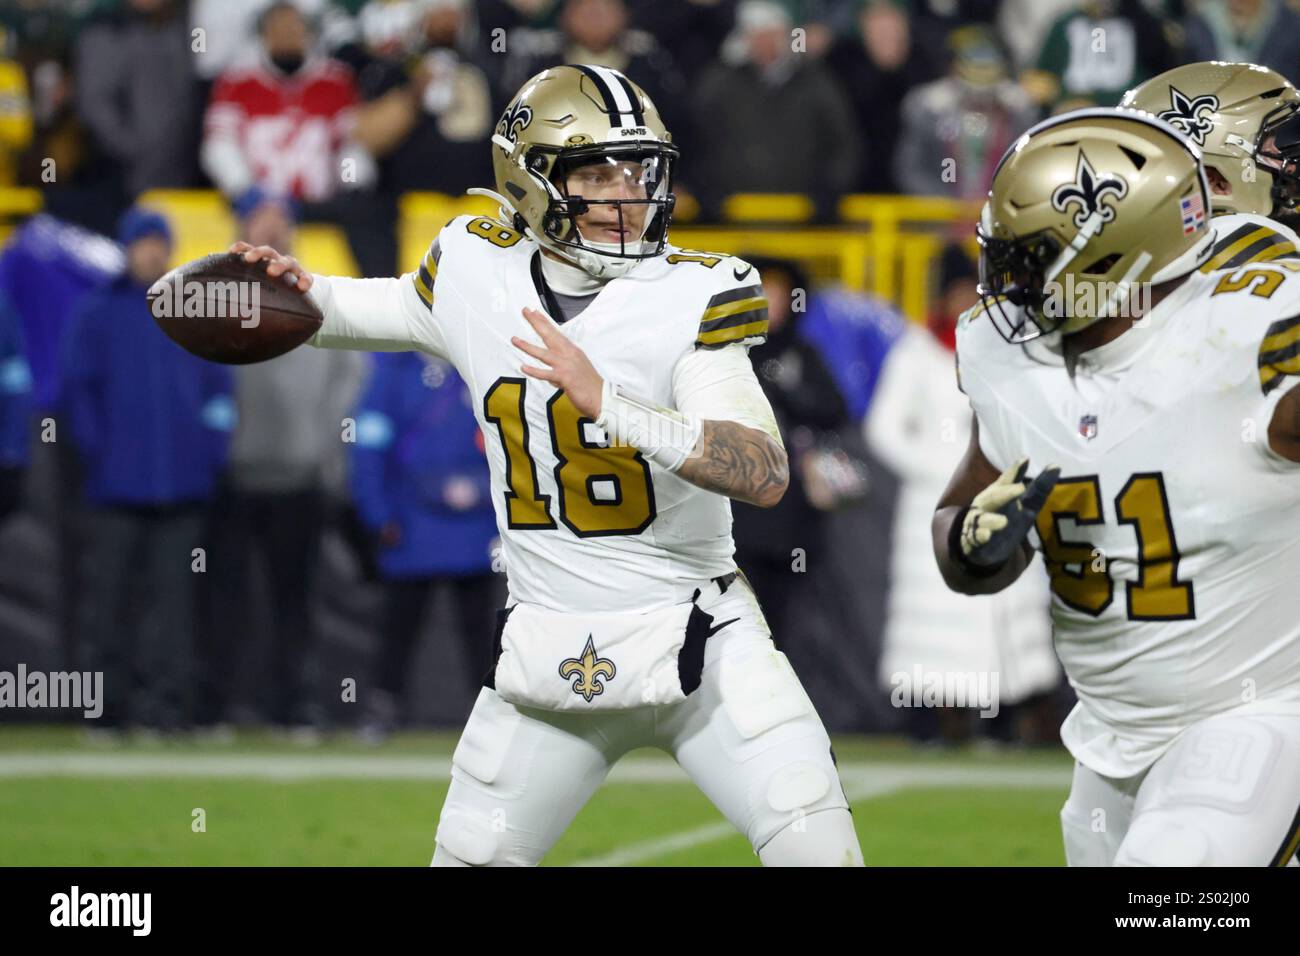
(1167, 500)
(619, 409)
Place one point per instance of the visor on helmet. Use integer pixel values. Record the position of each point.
(624, 190)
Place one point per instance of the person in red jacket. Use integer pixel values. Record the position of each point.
(280, 119)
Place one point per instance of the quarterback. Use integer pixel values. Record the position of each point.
(620, 412)
(1166, 500)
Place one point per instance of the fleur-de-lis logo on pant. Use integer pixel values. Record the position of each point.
(1187, 114)
(1089, 190)
(589, 669)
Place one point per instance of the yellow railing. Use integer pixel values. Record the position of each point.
(886, 245)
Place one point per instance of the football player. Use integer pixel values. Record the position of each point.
(1241, 116)
(1166, 500)
(611, 380)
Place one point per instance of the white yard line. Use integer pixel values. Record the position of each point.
(861, 780)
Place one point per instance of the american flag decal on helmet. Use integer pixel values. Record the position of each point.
(1193, 210)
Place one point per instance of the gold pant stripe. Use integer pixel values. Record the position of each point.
(1290, 845)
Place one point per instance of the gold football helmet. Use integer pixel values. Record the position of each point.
(571, 118)
(1245, 120)
(1084, 207)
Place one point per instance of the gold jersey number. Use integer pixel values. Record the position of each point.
(1078, 570)
(602, 490)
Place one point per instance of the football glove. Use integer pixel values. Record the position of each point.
(992, 527)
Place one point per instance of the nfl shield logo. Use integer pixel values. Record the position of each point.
(1088, 427)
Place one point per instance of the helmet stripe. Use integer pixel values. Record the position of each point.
(638, 117)
(606, 93)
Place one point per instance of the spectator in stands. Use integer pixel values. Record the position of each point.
(597, 32)
(15, 409)
(778, 547)
(876, 67)
(956, 129)
(230, 28)
(135, 87)
(1092, 55)
(420, 483)
(919, 426)
(152, 425)
(1266, 32)
(15, 111)
(692, 30)
(270, 515)
(427, 111)
(772, 120)
(282, 118)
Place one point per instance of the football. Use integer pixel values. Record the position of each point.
(225, 309)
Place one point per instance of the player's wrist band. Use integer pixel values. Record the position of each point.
(664, 436)
(958, 556)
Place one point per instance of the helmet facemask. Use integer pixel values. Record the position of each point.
(639, 174)
(1277, 149)
(1015, 272)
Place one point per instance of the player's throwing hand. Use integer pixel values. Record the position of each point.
(569, 368)
(277, 264)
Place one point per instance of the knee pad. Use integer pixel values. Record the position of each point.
(824, 838)
(1155, 839)
(470, 838)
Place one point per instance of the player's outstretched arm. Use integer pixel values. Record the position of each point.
(981, 526)
(374, 315)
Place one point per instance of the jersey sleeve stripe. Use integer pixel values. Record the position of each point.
(734, 295)
(1258, 250)
(427, 272)
(1233, 243)
(729, 314)
(733, 333)
(1279, 353)
(1280, 335)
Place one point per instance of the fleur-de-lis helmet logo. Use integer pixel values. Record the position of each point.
(1089, 192)
(589, 669)
(1187, 114)
(514, 121)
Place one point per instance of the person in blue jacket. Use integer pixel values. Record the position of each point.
(15, 409)
(421, 487)
(151, 424)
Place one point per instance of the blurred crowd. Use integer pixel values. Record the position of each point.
(342, 106)
(191, 510)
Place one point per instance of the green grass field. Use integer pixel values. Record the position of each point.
(66, 802)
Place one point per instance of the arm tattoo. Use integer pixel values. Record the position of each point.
(739, 462)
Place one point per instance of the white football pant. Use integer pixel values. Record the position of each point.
(747, 736)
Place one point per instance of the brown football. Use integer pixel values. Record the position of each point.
(225, 309)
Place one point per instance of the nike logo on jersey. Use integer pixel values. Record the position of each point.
(740, 275)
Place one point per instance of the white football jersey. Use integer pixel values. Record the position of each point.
(1173, 537)
(583, 526)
